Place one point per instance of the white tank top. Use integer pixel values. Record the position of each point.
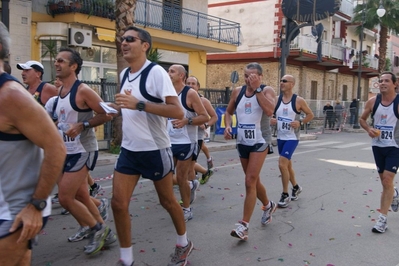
(249, 115)
(386, 121)
(285, 114)
(189, 133)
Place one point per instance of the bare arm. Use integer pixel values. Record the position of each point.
(211, 112)
(368, 108)
(171, 109)
(304, 107)
(193, 101)
(88, 98)
(267, 100)
(20, 113)
(48, 92)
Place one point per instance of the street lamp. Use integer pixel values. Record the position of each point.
(380, 12)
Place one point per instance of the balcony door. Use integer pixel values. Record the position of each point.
(172, 15)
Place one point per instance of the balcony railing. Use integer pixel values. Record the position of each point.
(174, 18)
(347, 7)
(155, 14)
(99, 8)
(308, 44)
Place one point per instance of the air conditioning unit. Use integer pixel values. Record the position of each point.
(79, 37)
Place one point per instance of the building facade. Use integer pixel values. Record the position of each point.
(335, 77)
(182, 32)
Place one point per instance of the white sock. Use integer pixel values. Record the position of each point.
(209, 159)
(268, 205)
(127, 255)
(182, 240)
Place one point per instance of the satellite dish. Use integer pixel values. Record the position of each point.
(309, 10)
(79, 37)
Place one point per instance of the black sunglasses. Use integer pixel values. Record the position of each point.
(284, 80)
(130, 39)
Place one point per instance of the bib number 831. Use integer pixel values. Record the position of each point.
(249, 134)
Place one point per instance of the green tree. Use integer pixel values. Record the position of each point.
(366, 12)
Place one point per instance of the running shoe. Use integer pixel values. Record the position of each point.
(64, 211)
(81, 234)
(188, 214)
(296, 192)
(179, 258)
(96, 240)
(103, 209)
(205, 177)
(94, 191)
(55, 199)
(284, 200)
(381, 225)
(210, 163)
(241, 231)
(267, 213)
(193, 194)
(121, 263)
(110, 239)
(395, 200)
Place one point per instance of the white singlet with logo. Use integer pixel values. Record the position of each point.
(386, 121)
(249, 114)
(144, 131)
(285, 114)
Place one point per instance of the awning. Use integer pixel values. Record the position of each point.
(105, 35)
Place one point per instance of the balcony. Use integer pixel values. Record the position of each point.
(307, 44)
(158, 15)
(99, 8)
(176, 19)
(347, 7)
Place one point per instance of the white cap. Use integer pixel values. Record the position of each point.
(31, 64)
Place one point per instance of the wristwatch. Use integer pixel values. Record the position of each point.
(86, 125)
(190, 120)
(140, 106)
(258, 90)
(206, 125)
(39, 204)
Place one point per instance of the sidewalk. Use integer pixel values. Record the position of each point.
(218, 144)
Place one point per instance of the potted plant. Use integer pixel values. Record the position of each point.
(76, 6)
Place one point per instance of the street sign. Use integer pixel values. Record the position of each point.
(234, 77)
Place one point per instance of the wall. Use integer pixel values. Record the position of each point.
(257, 31)
(20, 23)
(329, 85)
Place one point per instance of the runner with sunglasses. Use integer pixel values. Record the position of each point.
(287, 119)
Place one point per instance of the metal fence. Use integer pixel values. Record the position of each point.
(221, 97)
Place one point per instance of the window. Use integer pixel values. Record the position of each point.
(98, 62)
(354, 44)
(313, 90)
(344, 92)
(48, 52)
(172, 15)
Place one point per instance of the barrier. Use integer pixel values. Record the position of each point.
(220, 126)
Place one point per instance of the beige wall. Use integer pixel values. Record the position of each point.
(329, 85)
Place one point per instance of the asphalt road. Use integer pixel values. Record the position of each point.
(330, 224)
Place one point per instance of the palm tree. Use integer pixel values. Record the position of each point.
(124, 17)
(366, 13)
